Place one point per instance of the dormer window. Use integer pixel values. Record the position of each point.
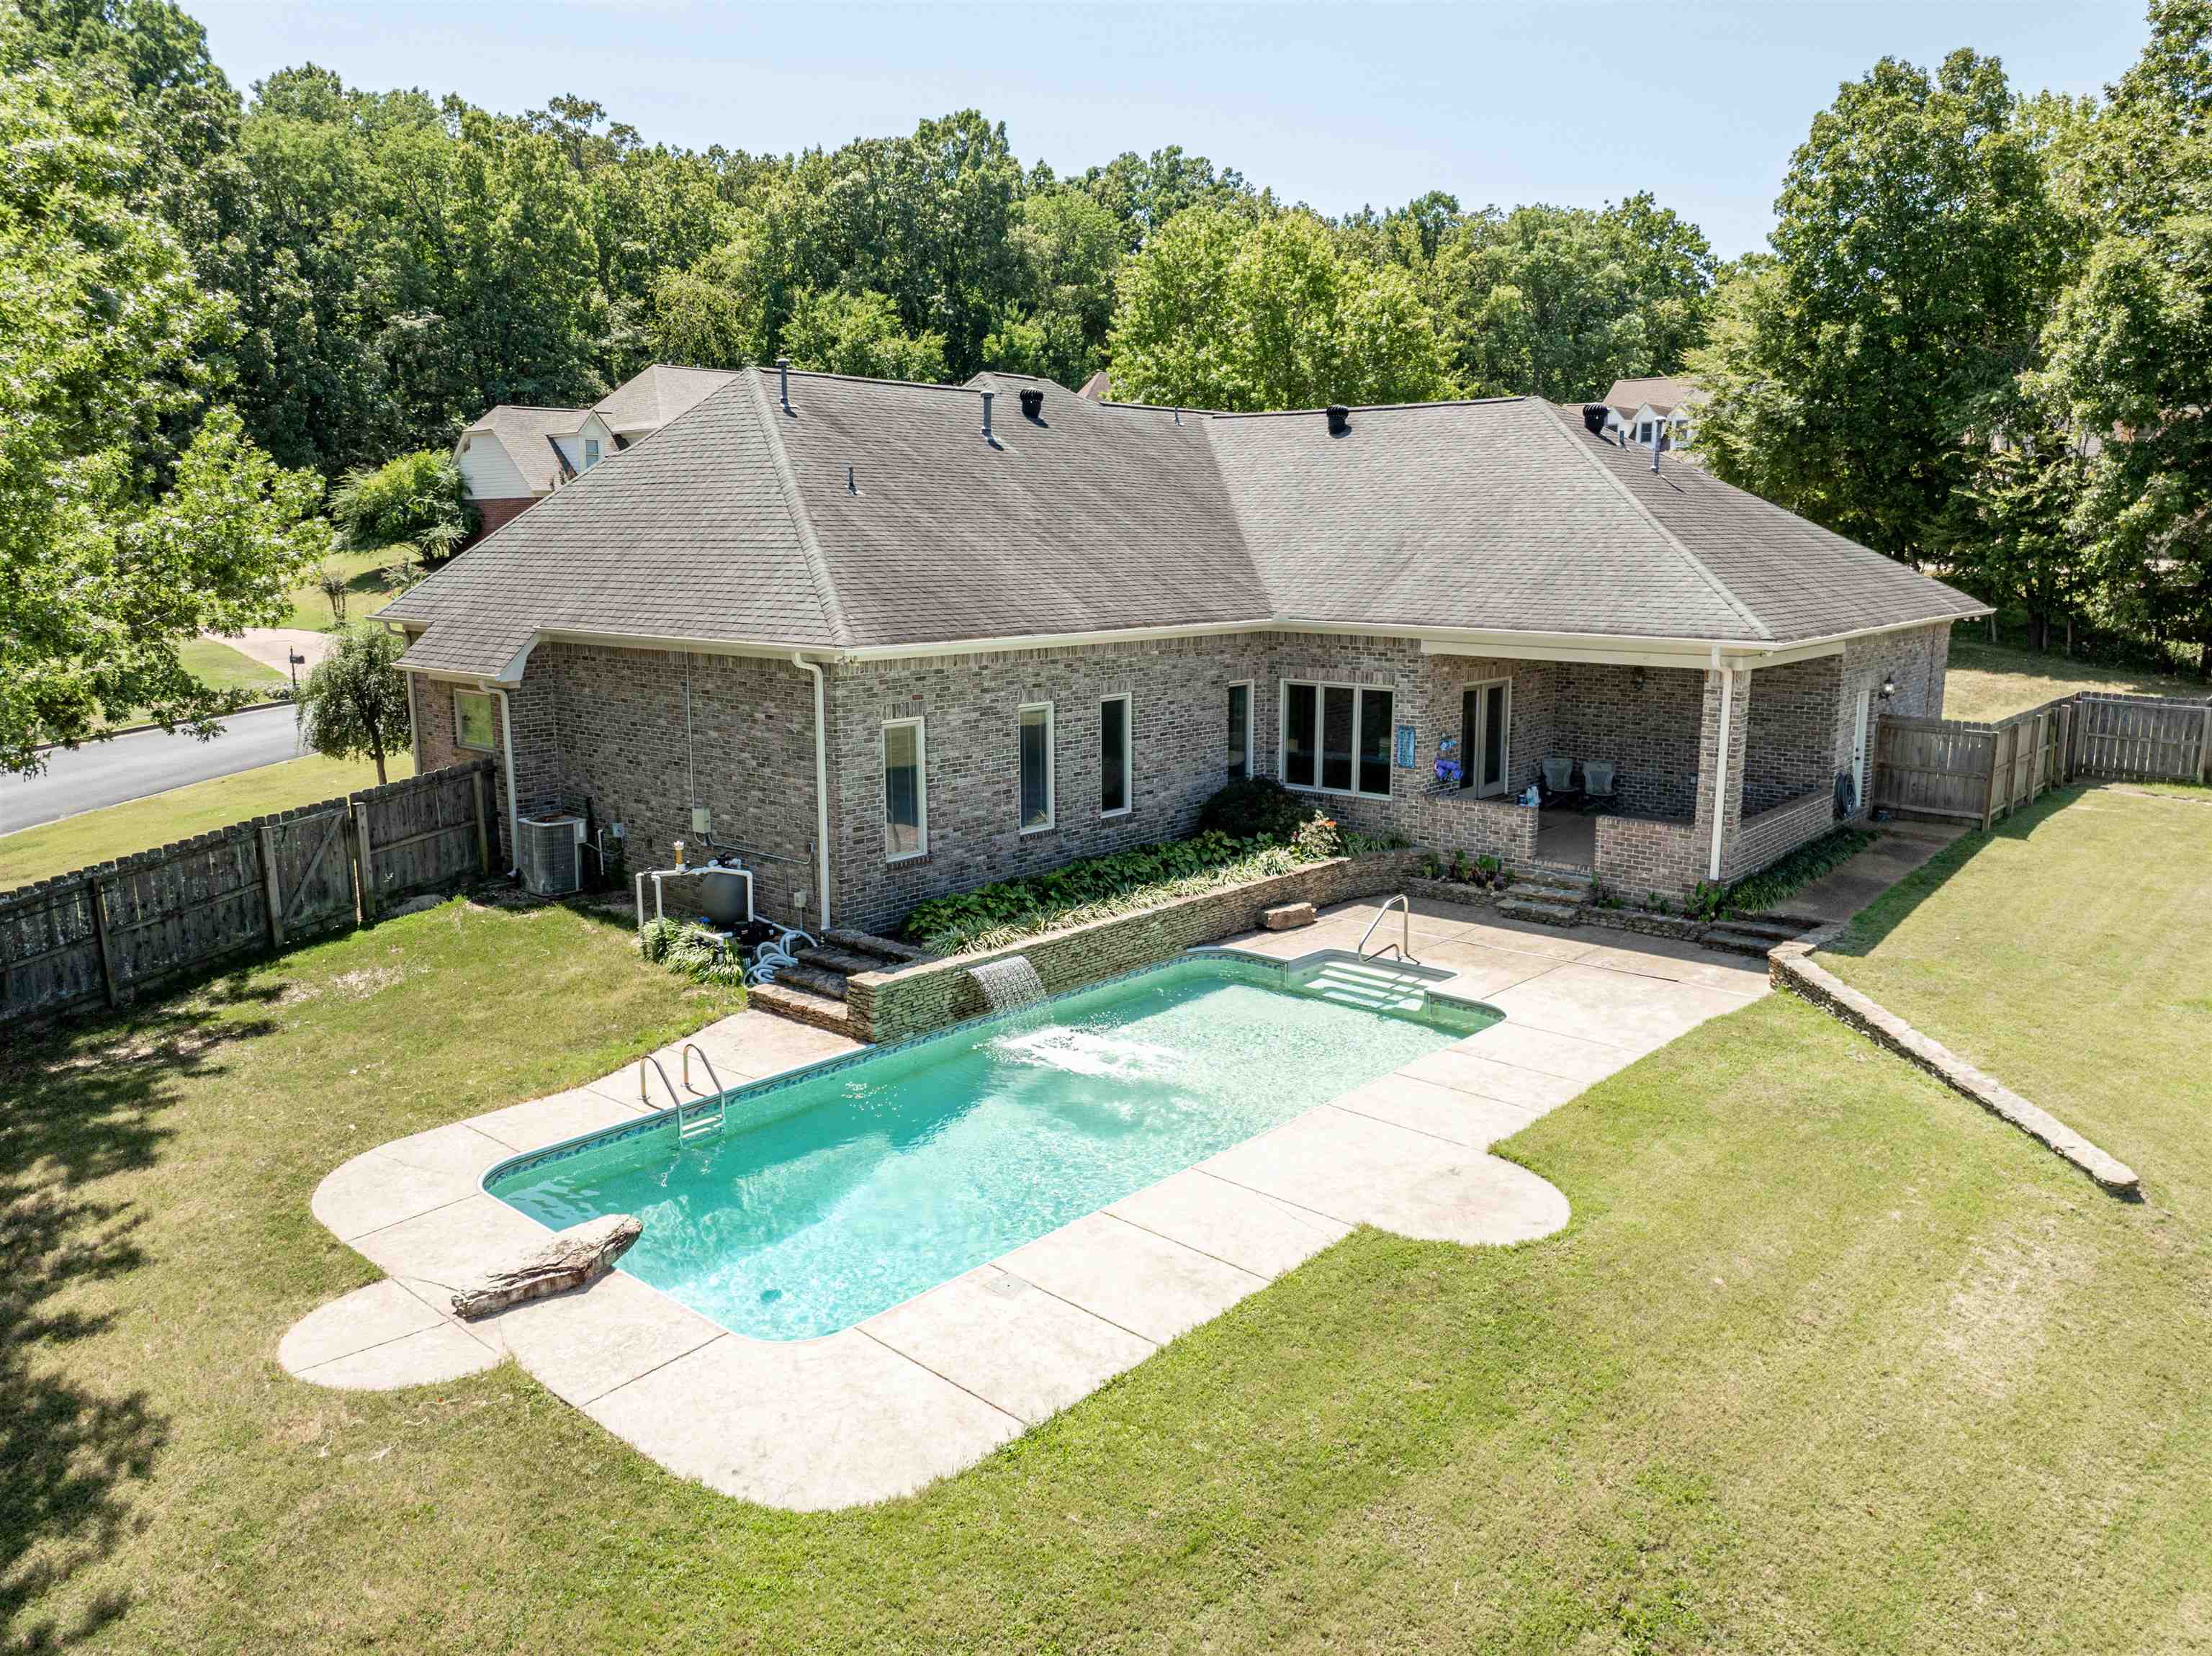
(591, 452)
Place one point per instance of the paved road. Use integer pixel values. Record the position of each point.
(107, 772)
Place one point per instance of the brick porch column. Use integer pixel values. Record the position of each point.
(1730, 805)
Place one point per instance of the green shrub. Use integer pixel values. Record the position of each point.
(416, 500)
(1258, 807)
(690, 950)
(1785, 879)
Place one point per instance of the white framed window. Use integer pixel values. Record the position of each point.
(1336, 738)
(906, 790)
(1240, 730)
(473, 721)
(1117, 736)
(1486, 731)
(1033, 731)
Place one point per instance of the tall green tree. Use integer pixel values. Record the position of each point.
(859, 334)
(1221, 312)
(130, 519)
(1914, 260)
(354, 705)
(2130, 341)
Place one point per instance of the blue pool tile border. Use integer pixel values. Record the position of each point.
(1268, 966)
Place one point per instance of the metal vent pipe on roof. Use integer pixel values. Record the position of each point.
(1594, 418)
(1340, 419)
(783, 382)
(987, 437)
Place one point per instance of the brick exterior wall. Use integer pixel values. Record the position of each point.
(1790, 739)
(1774, 834)
(608, 725)
(496, 514)
(914, 999)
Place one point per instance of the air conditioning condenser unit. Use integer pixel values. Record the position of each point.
(548, 855)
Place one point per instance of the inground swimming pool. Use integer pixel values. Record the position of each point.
(841, 1190)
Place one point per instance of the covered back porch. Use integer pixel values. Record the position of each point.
(1649, 776)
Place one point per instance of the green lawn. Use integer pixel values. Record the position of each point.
(364, 574)
(1988, 682)
(97, 836)
(223, 668)
(1828, 1359)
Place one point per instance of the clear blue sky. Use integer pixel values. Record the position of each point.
(1575, 103)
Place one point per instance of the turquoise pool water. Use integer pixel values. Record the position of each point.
(842, 1191)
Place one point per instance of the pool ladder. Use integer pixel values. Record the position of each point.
(694, 1119)
(1405, 948)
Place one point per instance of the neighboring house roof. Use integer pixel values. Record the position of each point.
(651, 398)
(526, 434)
(735, 523)
(1661, 396)
(1097, 389)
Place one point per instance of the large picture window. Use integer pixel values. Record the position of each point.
(473, 721)
(1337, 738)
(1240, 731)
(906, 790)
(1034, 730)
(1114, 734)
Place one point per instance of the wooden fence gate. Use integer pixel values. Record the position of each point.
(100, 935)
(1978, 773)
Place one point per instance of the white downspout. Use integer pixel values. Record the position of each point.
(1720, 765)
(513, 816)
(821, 790)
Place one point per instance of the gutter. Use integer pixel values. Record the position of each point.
(507, 745)
(820, 789)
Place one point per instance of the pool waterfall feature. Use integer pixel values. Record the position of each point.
(841, 1190)
(1008, 984)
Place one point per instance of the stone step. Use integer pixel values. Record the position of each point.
(882, 948)
(1735, 942)
(815, 981)
(1540, 911)
(1773, 930)
(843, 961)
(801, 1007)
(1553, 888)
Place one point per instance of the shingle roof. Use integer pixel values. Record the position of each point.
(1663, 395)
(736, 522)
(526, 434)
(653, 396)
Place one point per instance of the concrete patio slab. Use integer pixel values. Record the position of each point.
(807, 1425)
(1467, 1068)
(1364, 1170)
(373, 1191)
(1570, 1058)
(448, 1245)
(1670, 958)
(1516, 937)
(1618, 1009)
(436, 1355)
(1479, 970)
(546, 1121)
(1250, 1231)
(374, 1315)
(1132, 1278)
(582, 1344)
(1440, 1112)
(1010, 1341)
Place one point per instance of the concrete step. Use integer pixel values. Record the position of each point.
(1773, 930)
(1540, 911)
(828, 984)
(883, 948)
(801, 1007)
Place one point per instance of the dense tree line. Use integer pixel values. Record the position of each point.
(1978, 340)
(1982, 337)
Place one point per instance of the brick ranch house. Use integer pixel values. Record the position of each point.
(903, 639)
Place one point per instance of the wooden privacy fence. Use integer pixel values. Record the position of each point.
(1978, 773)
(97, 937)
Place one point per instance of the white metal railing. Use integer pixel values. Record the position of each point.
(1405, 947)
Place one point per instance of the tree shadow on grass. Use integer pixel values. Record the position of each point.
(1889, 911)
(77, 1107)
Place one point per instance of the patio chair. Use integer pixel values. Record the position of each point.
(1597, 783)
(1558, 782)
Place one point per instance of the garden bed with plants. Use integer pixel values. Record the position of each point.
(1248, 831)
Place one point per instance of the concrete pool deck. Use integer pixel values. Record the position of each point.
(930, 1387)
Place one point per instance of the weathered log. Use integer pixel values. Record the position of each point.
(575, 1258)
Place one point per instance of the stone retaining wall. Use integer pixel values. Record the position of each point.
(1791, 966)
(911, 1000)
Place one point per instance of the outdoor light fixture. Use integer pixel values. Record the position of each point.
(1888, 688)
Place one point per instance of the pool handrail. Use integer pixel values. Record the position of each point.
(1405, 948)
